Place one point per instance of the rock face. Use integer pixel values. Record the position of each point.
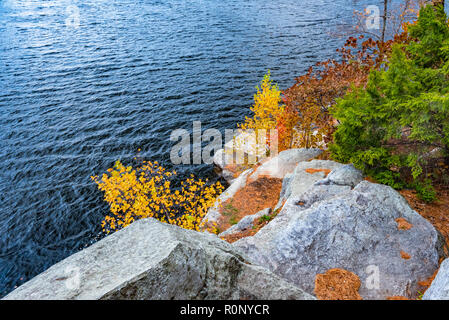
(306, 174)
(325, 223)
(152, 260)
(301, 180)
(221, 161)
(346, 175)
(439, 290)
(276, 167)
(284, 163)
(243, 145)
(247, 222)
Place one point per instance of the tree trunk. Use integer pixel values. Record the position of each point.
(384, 21)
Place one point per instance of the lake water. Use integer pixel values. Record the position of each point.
(74, 99)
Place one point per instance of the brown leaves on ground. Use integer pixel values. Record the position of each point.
(255, 196)
(437, 213)
(234, 237)
(426, 283)
(337, 284)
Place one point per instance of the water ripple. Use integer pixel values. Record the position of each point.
(73, 101)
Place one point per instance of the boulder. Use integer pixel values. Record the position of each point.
(245, 223)
(305, 174)
(333, 226)
(222, 160)
(153, 260)
(346, 175)
(439, 289)
(302, 179)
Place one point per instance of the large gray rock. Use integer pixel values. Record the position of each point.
(221, 160)
(152, 260)
(332, 226)
(439, 290)
(302, 180)
(346, 175)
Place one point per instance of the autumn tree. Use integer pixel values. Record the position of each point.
(390, 21)
(398, 124)
(146, 191)
(306, 121)
(267, 106)
(267, 111)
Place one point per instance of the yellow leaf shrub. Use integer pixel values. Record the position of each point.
(146, 192)
(267, 106)
(267, 109)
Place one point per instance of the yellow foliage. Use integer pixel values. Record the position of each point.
(267, 106)
(267, 109)
(145, 192)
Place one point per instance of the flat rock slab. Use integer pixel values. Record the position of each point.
(284, 163)
(242, 146)
(153, 260)
(301, 180)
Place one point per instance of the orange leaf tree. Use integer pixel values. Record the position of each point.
(306, 121)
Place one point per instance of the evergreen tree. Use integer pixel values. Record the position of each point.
(400, 120)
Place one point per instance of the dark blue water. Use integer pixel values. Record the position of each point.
(74, 100)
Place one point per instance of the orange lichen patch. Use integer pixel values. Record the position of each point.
(403, 224)
(405, 255)
(437, 213)
(255, 196)
(397, 298)
(337, 284)
(312, 171)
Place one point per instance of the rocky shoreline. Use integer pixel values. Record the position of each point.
(328, 222)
